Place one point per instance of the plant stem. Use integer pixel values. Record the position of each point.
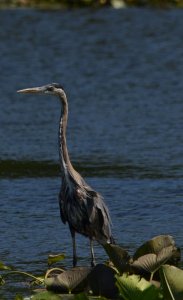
(24, 273)
(151, 278)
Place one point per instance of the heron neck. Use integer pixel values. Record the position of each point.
(63, 152)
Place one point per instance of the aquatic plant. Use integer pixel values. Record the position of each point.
(151, 274)
(57, 4)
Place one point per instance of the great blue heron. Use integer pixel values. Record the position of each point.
(80, 206)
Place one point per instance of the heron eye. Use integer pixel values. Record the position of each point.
(50, 89)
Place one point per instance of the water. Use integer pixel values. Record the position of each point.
(122, 71)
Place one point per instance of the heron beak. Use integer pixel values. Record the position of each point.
(32, 90)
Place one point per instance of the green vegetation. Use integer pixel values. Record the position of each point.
(53, 4)
(58, 4)
(150, 274)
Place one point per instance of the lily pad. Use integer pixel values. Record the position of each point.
(46, 296)
(3, 267)
(102, 281)
(119, 257)
(55, 258)
(2, 281)
(152, 262)
(133, 288)
(68, 280)
(172, 282)
(19, 297)
(154, 245)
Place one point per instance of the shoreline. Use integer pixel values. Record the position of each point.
(75, 4)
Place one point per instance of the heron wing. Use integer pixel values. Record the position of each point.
(98, 216)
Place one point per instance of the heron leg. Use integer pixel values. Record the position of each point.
(93, 263)
(73, 246)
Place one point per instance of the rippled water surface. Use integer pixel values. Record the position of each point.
(123, 74)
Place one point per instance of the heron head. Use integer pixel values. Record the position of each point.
(53, 89)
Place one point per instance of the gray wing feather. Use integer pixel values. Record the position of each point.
(85, 211)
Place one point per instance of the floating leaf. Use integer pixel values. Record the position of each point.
(55, 258)
(51, 296)
(81, 296)
(133, 288)
(19, 297)
(2, 281)
(151, 262)
(172, 282)
(3, 267)
(154, 245)
(118, 256)
(102, 281)
(68, 280)
(46, 296)
(147, 262)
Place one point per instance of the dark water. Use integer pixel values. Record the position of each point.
(123, 74)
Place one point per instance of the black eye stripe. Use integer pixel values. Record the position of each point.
(50, 88)
(57, 85)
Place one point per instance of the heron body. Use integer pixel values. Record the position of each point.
(80, 206)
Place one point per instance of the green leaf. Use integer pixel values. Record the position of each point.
(67, 280)
(46, 296)
(172, 282)
(2, 281)
(81, 296)
(3, 267)
(55, 258)
(154, 245)
(151, 262)
(118, 256)
(101, 281)
(18, 297)
(133, 288)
